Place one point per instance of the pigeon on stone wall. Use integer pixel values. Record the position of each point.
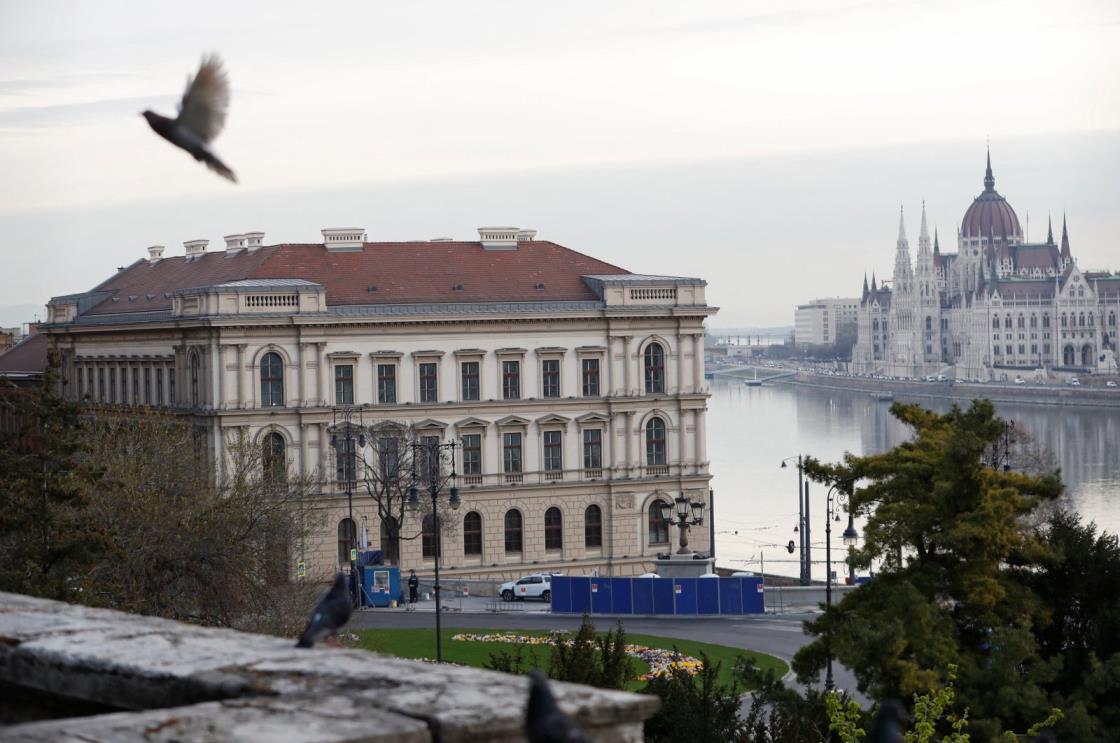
(545, 722)
(202, 114)
(330, 615)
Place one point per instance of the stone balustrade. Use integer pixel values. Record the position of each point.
(138, 678)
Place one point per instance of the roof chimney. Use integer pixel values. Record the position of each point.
(155, 254)
(498, 238)
(235, 243)
(524, 236)
(253, 240)
(195, 247)
(343, 239)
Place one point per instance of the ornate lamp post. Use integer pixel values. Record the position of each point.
(347, 454)
(850, 536)
(802, 528)
(432, 455)
(688, 514)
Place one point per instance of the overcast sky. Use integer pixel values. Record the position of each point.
(765, 147)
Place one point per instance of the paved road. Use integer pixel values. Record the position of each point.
(778, 635)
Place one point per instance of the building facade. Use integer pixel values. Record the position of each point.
(820, 322)
(574, 388)
(999, 306)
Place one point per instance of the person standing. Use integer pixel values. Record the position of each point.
(413, 587)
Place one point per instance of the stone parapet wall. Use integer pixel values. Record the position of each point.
(187, 683)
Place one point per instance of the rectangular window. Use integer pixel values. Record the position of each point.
(468, 371)
(344, 384)
(388, 458)
(386, 383)
(159, 387)
(429, 389)
(512, 452)
(591, 377)
(147, 386)
(345, 459)
(112, 384)
(553, 451)
(472, 454)
(511, 380)
(101, 393)
(427, 464)
(171, 385)
(135, 399)
(550, 378)
(592, 449)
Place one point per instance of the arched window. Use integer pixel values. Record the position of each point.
(1081, 320)
(1021, 322)
(875, 324)
(347, 540)
(472, 533)
(929, 323)
(593, 527)
(654, 368)
(655, 441)
(553, 529)
(195, 369)
(1065, 320)
(272, 380)
(1007, 322)
(1045, 321)
(1090, 319)
(995, 321)
(513, 530)
(428, 536)
(1111, 318)
(658, 527)
(274, 461)
(1086, 355)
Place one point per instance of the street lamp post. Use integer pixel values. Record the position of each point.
(347, 454)
(850, 536)
(688, 514)
(802, 527)
(432, 454)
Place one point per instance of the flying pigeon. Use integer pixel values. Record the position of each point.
(202, 114)
(330, 614)
(545, 722)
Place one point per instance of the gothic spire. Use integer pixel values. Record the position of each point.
(1049, 230)
(902, 229)
(874, 287)
(923, 234)
(865, 286)
(989, 179)
(936, 246)
(1065, 239)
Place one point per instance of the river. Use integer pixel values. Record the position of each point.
(751, 429)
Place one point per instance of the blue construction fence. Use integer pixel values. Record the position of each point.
(651, 596)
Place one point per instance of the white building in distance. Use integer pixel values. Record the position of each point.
(819, 322)
(575, 387)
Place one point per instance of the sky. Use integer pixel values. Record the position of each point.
(765, 147)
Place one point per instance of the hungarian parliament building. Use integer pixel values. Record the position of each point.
(999, 306)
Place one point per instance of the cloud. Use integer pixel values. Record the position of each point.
(61, 82)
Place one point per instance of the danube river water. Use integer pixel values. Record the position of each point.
(751, 429)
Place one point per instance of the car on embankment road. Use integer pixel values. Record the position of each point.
(535, 586)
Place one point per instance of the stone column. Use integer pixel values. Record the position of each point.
(617, 450)
(322, 372)
(698, 362)
(614, 374)
(303, 453)
(324, 459)
(701, 441)
(679, 387)
(301, 375)
(626, 372)
(631, 463)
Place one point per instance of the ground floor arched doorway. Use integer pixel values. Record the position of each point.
(1087, 355)
(1069, 358)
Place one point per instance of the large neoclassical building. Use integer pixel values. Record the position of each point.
(998, 306)
(574, 388)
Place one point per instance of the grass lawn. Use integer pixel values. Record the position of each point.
(421, 643)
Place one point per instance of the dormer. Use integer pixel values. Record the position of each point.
(635, 290)
(344, 239)
(251, 297)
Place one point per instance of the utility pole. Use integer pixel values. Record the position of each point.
(808, 542)
(803, 530)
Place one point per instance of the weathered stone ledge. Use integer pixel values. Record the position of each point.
(187, 683)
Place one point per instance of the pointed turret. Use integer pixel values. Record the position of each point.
(865, 286)
(874, 288)
(1066, 257)
(989, 179)
(903, 269)
(923, 233)
(936, 246)
(902, 229)
(1049, 230)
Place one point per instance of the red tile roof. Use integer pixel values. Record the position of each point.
(29, 356)
(403, 273)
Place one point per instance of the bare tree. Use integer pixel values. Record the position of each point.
(396, 463)
(190, 541)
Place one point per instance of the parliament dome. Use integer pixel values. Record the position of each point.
(990, 213)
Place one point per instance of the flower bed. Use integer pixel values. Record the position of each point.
(659, 660)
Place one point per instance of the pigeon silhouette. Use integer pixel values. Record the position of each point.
(202, 114)
(545, 722)
(330, 614)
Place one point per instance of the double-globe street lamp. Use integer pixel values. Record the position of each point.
(346, 455)
(687, 515)
(802, 528)
(850, 537)
(431, 454)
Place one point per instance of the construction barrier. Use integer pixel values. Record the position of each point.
(658, 596)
